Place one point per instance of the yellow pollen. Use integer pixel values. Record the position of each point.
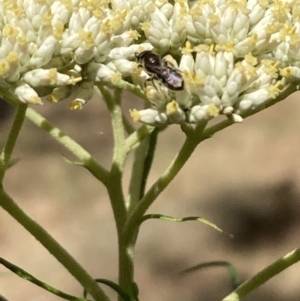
(211, 50)
(263, 3)
(273, 28)
(196, 12)
(280, 11)
(198, 81)
(135, 115)
(58, 30)
(10, 31)
(116, 78)
(239, 6)
(12, 57)
(52, 98)
(187, 49)
(106, 26)
(225, 47)
(87, 38)
(52, 76)
(213, 19)
(201, 47)
(251, 71)
(274, 90)
(270, 67)
(296, 13)
(250, 59)
(172, 107)
(14, 8)
(98, 13)
(35, 100)
(21, 40)
(145, 26)
(76, 105)
(209, 2)
(286, 72)
(46, 18)
(74, 80)
(134, 34)
(4, 68)
(213, 110)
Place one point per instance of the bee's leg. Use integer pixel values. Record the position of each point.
(153, 80)
(149, 79)
(170, 62)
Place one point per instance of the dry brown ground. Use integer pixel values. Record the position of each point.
(246, 180)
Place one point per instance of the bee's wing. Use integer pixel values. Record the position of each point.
(157, 69)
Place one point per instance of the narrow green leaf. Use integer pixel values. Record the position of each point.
(113, 286)
(183, 219)
(25, 275)
(235, 281)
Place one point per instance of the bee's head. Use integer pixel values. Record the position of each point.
(147, 58)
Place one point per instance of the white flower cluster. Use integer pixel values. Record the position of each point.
(233, 55)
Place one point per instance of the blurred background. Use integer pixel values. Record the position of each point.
(245, 179)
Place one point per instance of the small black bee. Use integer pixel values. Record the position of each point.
(160, 69)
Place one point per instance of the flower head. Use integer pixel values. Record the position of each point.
(232, 55)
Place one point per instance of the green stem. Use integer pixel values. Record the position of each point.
(52, 246)
(114, 187)
(25, 275)
(127, 125)
(192, 140)
(263, 276)
(12, 139)
(149, 160)
(114, 183)
(88, 161)
(131, 228)
(137, 174)
(138, 136)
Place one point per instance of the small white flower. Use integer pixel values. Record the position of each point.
(230, 54)
(149, 116)
(175, 113)
(27, 94)
(49, 77)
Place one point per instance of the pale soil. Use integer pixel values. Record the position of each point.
(246, 180)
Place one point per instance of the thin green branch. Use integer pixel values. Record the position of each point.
(114, 185)
(182, 219)
(149, 160)
(235, 281)
(52, 246)
(138, 136)
(88, 161)
(25, 275)
(127, 125)
(12, 139)
(266, 274)
(113, 286)
(137, 171)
